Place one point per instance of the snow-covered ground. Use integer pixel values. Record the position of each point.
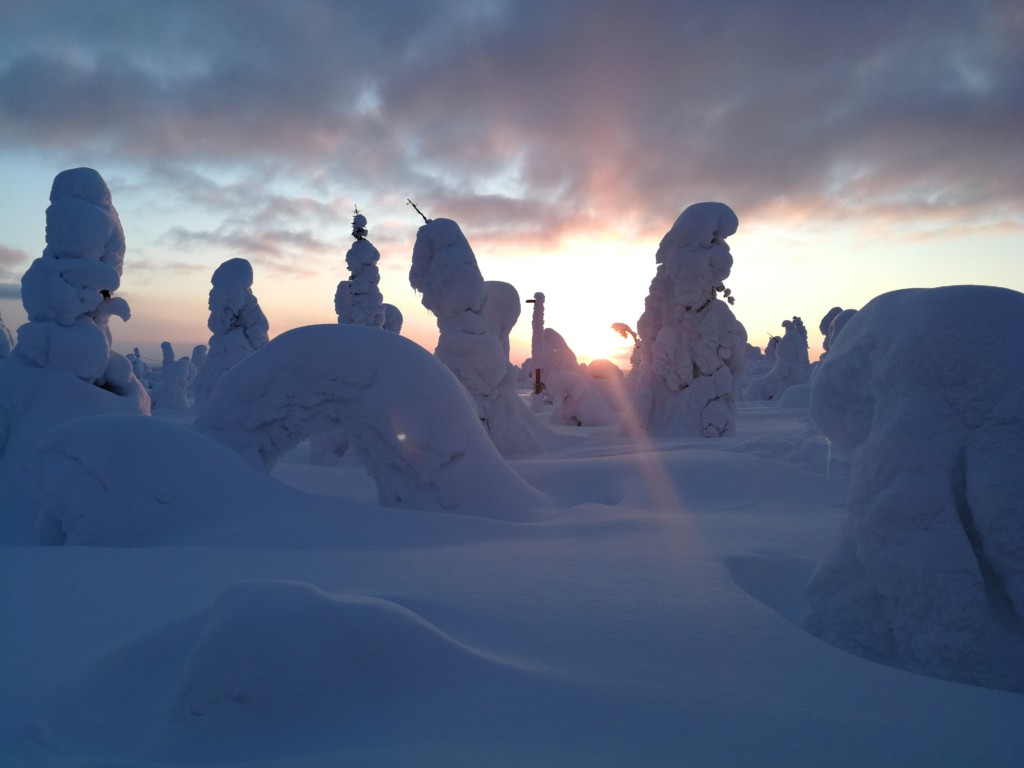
(650, 620)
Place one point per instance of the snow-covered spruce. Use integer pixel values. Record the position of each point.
(444, 270)
(923, 390)
(63, 366)
(409, 420)
(792, 365)
(691, 343)
(237, 323)
(358, 300)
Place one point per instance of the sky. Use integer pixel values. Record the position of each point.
(865, 147)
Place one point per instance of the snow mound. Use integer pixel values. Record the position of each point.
(923, 389)
(118, 481)
(285, 647)
(273, 669)
(410, 421)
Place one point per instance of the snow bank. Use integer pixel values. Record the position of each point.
(792, 365)
(445, 271)
(134, 481)
(923, 389)
(692, 347)
(238, 324)
(286, 649)
(409, 420)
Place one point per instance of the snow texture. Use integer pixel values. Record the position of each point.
(238, 324)
(691, 344)
(792, 364)
(444, 270)
(63, 366)
(409, 420)
(923, 390)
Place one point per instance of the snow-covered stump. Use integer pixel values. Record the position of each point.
(408, 418)
(445, 272)
(238, 324)
(63, 366)
(792, 365)
(692, 346)
(923, 389)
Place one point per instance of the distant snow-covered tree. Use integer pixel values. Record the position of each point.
(237, 323)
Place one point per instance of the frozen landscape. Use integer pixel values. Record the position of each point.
(355, 552)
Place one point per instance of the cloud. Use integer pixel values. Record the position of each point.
(10, 290)
(532, 120)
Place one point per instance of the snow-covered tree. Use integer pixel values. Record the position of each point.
(691, 343)
(6, 339)
(171, 392)
(444, 270)
(238, 324)
(792, 364)
(923, 391)
(358, 300)
(63, 365)
(167, 354)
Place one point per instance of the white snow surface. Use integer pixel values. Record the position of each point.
(925, 391)
(653, 620)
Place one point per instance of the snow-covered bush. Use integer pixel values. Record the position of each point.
(63, 366)
(237, 323)
(923, 389)
(444, 270)
(409, 420)
(577, 401)
(393, 318)
(691, 343)
(792, 364)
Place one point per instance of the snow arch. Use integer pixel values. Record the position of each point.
(408, 418)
